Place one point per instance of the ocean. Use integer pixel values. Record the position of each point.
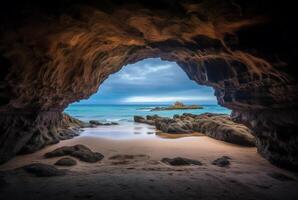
(125, 113)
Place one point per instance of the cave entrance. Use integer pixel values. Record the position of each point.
(138, 90)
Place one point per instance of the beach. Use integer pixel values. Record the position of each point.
(137, 172)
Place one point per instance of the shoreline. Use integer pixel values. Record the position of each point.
(249, 176)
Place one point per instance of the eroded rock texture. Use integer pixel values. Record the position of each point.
(217, 126)
(26, 133)
(53, 53)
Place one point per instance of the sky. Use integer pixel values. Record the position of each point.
(151, 81)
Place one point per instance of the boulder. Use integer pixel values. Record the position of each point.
(81, 152)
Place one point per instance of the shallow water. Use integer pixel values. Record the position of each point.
(123, 131)
(131, 131)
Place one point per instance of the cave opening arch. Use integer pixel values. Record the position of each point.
(52, 57)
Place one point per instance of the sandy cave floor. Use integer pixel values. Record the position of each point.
(145, 177)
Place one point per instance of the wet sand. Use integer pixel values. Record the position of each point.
(141, 175)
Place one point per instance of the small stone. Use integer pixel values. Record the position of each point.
(66, 162)
(222, 161)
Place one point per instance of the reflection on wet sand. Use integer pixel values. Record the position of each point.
(127, 131)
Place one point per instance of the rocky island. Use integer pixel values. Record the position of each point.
(177, 106)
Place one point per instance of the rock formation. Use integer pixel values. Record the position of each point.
(177, 106)
(217, 126)
(53, 53)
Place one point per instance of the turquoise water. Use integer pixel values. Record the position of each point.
(125, 113)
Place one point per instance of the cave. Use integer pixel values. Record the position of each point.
(53, 53)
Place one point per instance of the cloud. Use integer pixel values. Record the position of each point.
(151, 81)
(144, 73)
(155, 99)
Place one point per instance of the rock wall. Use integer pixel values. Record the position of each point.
(53, 53)
(29, 132)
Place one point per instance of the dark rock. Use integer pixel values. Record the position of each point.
(222, 161)
(110, 123)
(221, 127)
(177, 128)
(168, 125)
(95, 122)
(66, 162)
(37, 131)
(152, 117)
(138, 118)
(217, 126)
(180, 161)
(69, 128)
(81, 152)
(69, 121)
(141, 119)
(43, 170)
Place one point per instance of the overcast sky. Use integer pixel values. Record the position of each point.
(151, 81)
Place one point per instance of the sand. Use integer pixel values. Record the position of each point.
(135, 172)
